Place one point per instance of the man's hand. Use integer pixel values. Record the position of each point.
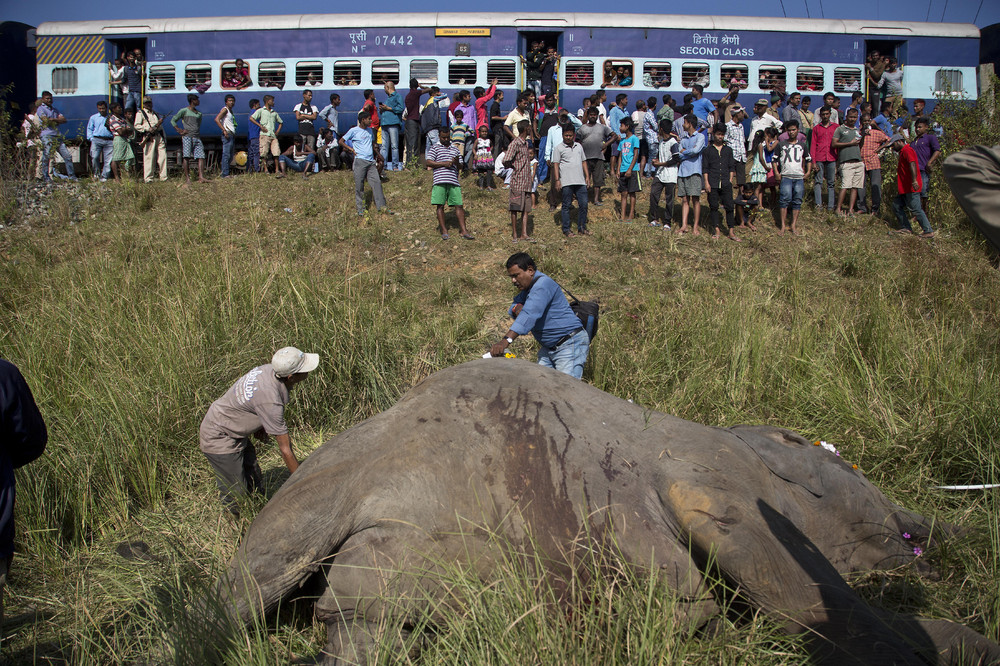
(182, 132)
(285, 448)
(708, 186)
(499, 348)
(558, 184)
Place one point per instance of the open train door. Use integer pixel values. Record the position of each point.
(545, 31)
(893, 48)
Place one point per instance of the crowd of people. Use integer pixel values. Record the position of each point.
(743, 160)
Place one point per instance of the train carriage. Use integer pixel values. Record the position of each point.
(347, 53)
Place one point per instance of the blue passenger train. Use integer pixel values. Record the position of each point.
(347, 53)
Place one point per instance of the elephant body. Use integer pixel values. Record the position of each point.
(499, 446)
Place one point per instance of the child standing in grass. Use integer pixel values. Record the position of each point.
(192, 147)
(459, 133)
(443, 158)
(628, 170)
(517, 157)
(253, 140)
(484, 159)
(665, 179)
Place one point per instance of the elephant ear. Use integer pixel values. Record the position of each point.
(787, 454)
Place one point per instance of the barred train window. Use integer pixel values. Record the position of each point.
(579, 73)
(772, 77)
(734, 75)
(948, 81)
(197, 75)
(309, 73)
(424, 71)
(64, 80)
(162, 77)
(385, 70)
(694, 72)
(847, 79)
(271, 74)
(656, 74)
(501, 70)
(624, 79)
(347, 72)
(462, 72)
(809, 78)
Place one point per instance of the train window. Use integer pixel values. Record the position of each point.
(948, 81)
(198, 77)
(579, 73)
(734, 75)
(847, 79)
(504, 71)
(462, 72)
(161, 77)
(618, 73)
(424, 71)
(385, 70)
(308, 73)
(656, 74)
(695, 72)
(772, 77)
(271, 74)
(347, 72)
(809, 78)
(64, 80)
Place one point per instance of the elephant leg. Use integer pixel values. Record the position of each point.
(947, 643)
(781, 571)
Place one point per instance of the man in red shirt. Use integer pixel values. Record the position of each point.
(824, 157)
(909, 186)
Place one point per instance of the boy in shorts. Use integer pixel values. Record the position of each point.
(192, 147)
(444, 158)
(269, 122)
(689, 174)
(628, 169)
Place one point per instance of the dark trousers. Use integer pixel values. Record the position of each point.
(412, 139)
(237, 474)
(485, 179)
(568, 192)
(725, 193)
(656, 212)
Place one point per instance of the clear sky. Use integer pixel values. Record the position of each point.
(33, 12)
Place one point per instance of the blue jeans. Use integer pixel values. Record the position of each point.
(47, 147)
(580, 192)
(910, 202)
(790, 193)
(227, 153)
(253, 155)
(101, 149)
(827, 170)
(302, 166)
(543, 166)
(390, 134)
(569, 357)
(133, 100)
(432, 140)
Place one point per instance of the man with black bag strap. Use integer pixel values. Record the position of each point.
(149, 129)
(541, 309)
(22, 439)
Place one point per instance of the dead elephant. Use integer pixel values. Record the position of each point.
(531, 451)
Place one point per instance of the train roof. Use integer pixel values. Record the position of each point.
(540, 21)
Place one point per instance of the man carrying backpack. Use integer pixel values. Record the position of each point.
(22, 439)
(541, 309)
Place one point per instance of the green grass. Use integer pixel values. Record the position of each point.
(132, 319)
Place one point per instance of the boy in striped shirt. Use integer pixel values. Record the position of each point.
(443, 158)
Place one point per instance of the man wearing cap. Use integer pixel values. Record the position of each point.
(149, 129)
(761, 120)
(255, 403)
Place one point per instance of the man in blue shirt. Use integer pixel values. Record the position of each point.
(615, 116)
(101, 140)
(700, 106)
(884, 118)
(541, 309)
(133, 78)
(689, 180)
(51, 119)
(358, 141)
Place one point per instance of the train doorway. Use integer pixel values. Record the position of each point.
(119, 47)
(546, 38)
(892, 48)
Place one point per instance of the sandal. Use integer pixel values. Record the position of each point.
(444, 236)
(468, 236)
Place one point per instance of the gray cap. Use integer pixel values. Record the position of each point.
(289, 361)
